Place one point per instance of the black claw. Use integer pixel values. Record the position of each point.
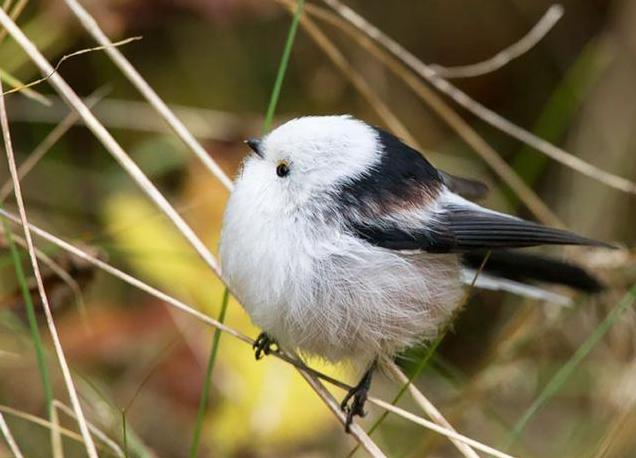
(264, 344)
(358, 397)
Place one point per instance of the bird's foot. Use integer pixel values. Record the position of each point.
(264, 345)
(358, 397)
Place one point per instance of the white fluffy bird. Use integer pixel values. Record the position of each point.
(343, 242)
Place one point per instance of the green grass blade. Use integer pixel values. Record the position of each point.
(269, 116)
(561, 376)
(33, 324)
(282, 68)
(205, 392)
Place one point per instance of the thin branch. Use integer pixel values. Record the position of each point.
(149, 93)
(6, 432)
(430, 410)
(502, 58)
(90, 446)
(486, 114)
(45, 145)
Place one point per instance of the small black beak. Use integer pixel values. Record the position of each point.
(255, 145)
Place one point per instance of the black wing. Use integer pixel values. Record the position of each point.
(463, 229)
(404, 204)
(467, 228)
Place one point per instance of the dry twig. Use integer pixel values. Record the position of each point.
(90, 446)
(153, 98)
(63, 59)
(6, 432)
(503, 57)
(486, 114)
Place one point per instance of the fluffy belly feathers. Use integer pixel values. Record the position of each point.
(338, 297)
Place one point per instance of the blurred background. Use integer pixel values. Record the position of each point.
(140, 365)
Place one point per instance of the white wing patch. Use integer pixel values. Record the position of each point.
(492, 283)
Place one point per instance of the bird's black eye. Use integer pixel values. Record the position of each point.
(282, 169)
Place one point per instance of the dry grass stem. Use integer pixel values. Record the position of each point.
(132, 115)
(439, 429)
(477, 108)
(45, 145)
(363, 439)
(503, 57)
(360, 84)
(43, 423)
(153, 98)
(8, 437)
(430, 410)
(64, 58)
(90, 446)
(109, 142)
(96, 431)
(57, 446)
(450, 116)
(15, 13)
(212, 322)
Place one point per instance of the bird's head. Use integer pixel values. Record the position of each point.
(310, 157)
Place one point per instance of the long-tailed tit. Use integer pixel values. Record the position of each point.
(343, 242)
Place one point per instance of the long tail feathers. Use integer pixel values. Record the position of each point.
(492, 283)
(510, 271)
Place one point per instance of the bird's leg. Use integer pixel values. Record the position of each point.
(359, 394)
(264, 344)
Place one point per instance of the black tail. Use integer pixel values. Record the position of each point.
(523, 266)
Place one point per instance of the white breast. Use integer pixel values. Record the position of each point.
(318, 290)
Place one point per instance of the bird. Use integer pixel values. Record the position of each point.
(343, 242)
